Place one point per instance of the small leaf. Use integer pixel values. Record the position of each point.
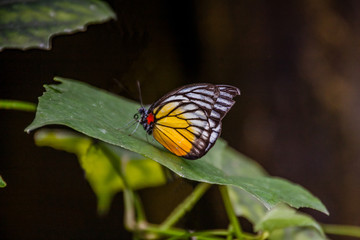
(2, 182)
(104, 116)
(284, 217)
(30, 24)
(101, 172)
(246, 205)
(296, 233)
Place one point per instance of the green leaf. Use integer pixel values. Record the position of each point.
(104, 116)
(246, 205)
(2, 182)
(282, 217)
(104, 172)
(31, 24)
(296, 233)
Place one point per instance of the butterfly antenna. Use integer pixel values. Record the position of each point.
(122, 87)
(140, 97)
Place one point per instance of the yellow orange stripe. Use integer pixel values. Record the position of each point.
(163, 140)
(173, 122)
(188, 135)
(166, 109)
(172, 140)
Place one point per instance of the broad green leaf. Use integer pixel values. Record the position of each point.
(2, 182)
(282, 217)
(102, 172)
(31, 24)
(239, 165)
(104, 116)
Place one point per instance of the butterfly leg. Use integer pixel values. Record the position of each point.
(137, 125)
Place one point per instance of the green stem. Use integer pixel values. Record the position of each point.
(230, 211)
(140, 213)
(218, 232)
(175, 233)
(166, 232)
(133, 205)
(190, 235)
(344, 230)
(17, 105)
(185, 206)
(230, 233)
(129, 212)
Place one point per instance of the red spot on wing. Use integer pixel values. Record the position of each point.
(150, 118)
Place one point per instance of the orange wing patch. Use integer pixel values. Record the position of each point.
(172, 131)
(166, 109)
(173, 140)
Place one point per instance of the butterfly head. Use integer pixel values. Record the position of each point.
(147, 119)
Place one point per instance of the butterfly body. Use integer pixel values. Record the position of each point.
(187, 121)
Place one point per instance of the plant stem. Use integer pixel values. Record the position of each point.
(190, 235)
(133, 207)
(140, 213)
(230, 211)
(183, 234)
(219, 232)
(344, 230)
(168, 232)
(17, 105)
(230, 233)
(185, 206)
(129, 212)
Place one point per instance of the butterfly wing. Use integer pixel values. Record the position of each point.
(188, 120)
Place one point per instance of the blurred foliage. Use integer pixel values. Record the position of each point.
(17, 105)
(2, 182)
(283, 217)
(105, 173)
(31, 24)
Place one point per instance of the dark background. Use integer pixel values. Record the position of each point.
(295, 62)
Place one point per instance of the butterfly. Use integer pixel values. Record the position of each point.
(187, 121)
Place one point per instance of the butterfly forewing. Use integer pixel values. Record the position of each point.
(188, 120)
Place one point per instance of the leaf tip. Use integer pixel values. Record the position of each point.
(2, 182)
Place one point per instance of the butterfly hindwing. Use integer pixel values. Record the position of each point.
(188, 120)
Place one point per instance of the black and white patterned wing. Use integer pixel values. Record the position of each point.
(203, 106)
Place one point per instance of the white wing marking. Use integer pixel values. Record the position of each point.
(225, 101)
(215, 114)
(204, 91)
(225, 94)
(202, 104)
(188, 89)
(175, 98)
